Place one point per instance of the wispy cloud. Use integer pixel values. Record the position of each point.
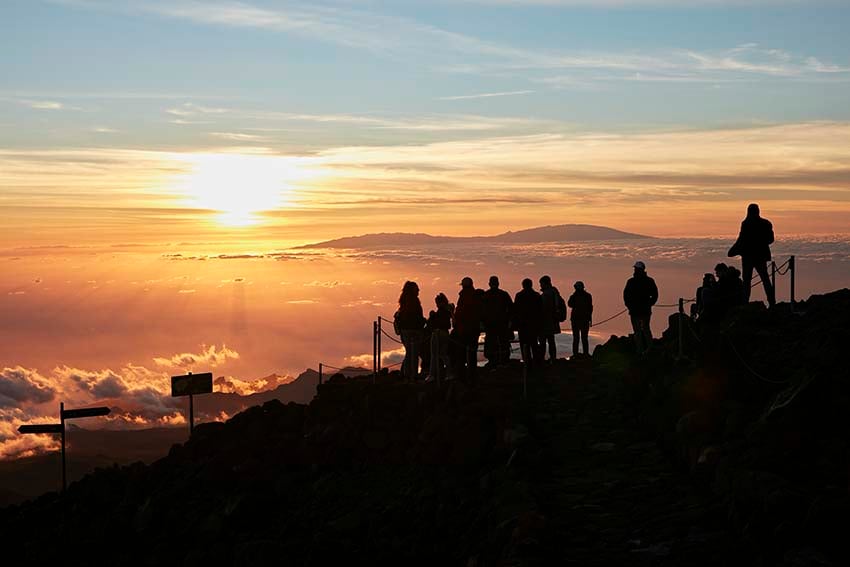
(410, 40)
(485, 95)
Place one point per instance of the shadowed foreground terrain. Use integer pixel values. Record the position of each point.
(737, 456)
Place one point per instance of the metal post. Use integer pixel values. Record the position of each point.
(792, 266)
(773, 275)
(380, 340)
(321, 370)
(191, 414)
(374, 351)
(62, 421)
(681, 326)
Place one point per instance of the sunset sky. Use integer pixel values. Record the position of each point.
(172, 120)
(159, 158)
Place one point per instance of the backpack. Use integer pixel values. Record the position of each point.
(396, 327)
(560, 307)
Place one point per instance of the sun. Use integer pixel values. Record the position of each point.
(239, 186)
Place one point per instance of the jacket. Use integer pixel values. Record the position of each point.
(581, 305)
(754, 240)
(528, 313)
(468, 312)
(550, 324)
(640, 294)
(496, 309)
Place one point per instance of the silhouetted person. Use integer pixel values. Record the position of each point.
(467, 327)
(639, 295)
(705, 304)
(528, 320)
(439, 323)
(753, 246)
(581, 317)
(496, 317)
(551, 323)
(410, 324)
(729, 289)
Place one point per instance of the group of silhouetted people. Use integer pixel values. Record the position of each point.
(727, 287)
(446, 342)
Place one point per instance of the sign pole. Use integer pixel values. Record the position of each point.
(62, 421)
(380, 332)
(321, 371)
(191, 414)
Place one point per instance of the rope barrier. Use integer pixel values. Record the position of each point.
(750, 368)
(390, 337)
(329, 366)
(608, 319)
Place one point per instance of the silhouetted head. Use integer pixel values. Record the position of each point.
(527, 283)
(409, 292)
(734, 272)
(466, 283)
(640, 268)
(441, 300)
(753, 211)
(707, 279)
(579, 286)
(720, 270)
(545, 282)
(494, 282)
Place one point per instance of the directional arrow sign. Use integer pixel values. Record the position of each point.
(84, 412)
(191, 384)
(41, 428)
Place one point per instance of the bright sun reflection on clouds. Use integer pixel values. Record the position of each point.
(239, 186)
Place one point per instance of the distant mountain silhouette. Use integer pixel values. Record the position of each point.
(557, 233)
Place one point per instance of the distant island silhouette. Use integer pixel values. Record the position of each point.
(542, 234)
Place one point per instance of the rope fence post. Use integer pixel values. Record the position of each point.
(380, 349)
(681, 326)
(321, 372)
(773, 275)
(374, 351)
(792, 266)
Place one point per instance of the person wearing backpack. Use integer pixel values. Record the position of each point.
(581, 316)
(554, 308)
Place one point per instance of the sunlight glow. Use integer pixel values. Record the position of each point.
(240, 186)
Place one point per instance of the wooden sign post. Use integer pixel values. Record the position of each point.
(191, 385)
(53, 428)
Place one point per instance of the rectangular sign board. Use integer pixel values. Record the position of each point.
(41, 428)
(191, 384)
(84, 412)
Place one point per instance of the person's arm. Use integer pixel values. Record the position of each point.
(770, 236)
(653, 292)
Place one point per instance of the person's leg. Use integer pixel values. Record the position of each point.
(747, 274)
(638, 333)
(408, 351)
(769, 292)
(576, 327)
(583, 330)
(553, 351)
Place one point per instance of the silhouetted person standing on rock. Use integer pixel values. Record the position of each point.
(581, 316)
(753, 246)
(705, 304)
(467, 327)
(497, 323)
(410, 324)
(439, 323)
(640, 295)
(527, 320)
(551, 324)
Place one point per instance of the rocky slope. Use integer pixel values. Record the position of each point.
(613, 461)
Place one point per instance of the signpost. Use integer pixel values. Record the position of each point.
(54, 428)
(191, 385)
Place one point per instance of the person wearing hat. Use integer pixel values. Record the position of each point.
(467, 328)
(496, 317)
(581, 315)
(639, 295)
(528, 321)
